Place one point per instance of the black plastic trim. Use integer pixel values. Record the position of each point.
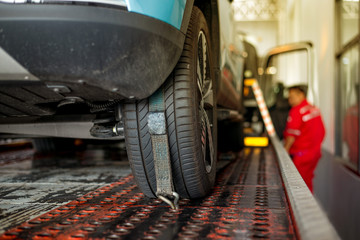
(127, 53)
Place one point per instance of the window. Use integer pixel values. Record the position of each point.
(286, 70)
(347, 139)
(284, 66)
(348, 20)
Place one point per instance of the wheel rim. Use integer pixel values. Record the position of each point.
(206, 106)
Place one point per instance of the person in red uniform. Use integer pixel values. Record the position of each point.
(304, 133)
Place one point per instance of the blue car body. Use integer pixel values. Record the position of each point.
(171, 11)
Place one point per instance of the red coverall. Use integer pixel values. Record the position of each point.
(306, 125)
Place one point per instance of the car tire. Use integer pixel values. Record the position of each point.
(191, 120)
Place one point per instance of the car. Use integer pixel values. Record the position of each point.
(89, 68)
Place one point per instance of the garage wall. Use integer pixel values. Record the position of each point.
(304, 21)
(262, 34)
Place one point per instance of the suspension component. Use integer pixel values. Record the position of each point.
(108, 126)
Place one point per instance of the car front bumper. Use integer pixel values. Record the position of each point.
(126, 53)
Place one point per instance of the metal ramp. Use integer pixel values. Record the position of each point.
(249, 201)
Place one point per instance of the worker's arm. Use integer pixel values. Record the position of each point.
(289, 141)
(293, 128)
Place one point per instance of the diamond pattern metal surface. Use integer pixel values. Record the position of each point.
(248, 202)
(256, 10)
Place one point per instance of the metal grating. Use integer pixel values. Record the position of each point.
(256, 10)
(248, 201)
(350, 9)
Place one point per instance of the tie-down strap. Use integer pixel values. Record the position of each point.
(160, 146)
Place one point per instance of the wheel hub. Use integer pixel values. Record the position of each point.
(206, 106)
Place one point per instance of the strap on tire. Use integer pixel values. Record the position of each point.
(160, 146)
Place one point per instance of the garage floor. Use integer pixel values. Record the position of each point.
(90, 194)
(31, 185)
